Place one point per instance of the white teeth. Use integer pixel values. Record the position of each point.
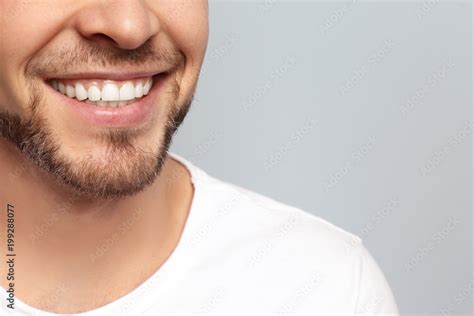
(109, 103)
(139, 90)
(127, 92)
(62, 88)
(147, 87)
(70, 91)
(111, 95)
(93, 93)
(110, 92)
(81, 92)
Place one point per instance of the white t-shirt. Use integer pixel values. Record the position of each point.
(241, 252)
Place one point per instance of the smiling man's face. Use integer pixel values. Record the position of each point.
(93, 90)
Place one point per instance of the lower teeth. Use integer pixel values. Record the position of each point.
(110, 103)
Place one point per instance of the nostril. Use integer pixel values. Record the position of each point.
(103, 39)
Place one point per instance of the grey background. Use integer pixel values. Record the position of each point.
(358, 112)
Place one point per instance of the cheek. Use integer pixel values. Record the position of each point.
(186, 22)
(27, 26)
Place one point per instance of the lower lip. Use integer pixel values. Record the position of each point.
(130, 115)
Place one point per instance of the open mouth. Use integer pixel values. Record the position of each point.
(104, 93)
(114, 101)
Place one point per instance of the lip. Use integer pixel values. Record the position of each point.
(127, 116)
(118, 76)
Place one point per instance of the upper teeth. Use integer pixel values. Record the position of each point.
(106, 91)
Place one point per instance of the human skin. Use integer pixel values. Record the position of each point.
(61, 226)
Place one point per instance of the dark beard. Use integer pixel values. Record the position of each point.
(128, 171)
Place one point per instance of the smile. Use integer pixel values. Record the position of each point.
(115, 101)
(104, 93)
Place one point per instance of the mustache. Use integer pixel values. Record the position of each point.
(92, 56)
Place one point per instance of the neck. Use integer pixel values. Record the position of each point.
(83, 241)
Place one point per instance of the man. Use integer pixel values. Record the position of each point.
(98, 218)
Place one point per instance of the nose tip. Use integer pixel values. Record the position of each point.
(124, 24)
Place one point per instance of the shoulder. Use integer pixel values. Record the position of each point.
(310, 254)
(294, 255)
(263, 218)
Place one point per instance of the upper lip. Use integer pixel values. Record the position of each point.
(110, 75)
